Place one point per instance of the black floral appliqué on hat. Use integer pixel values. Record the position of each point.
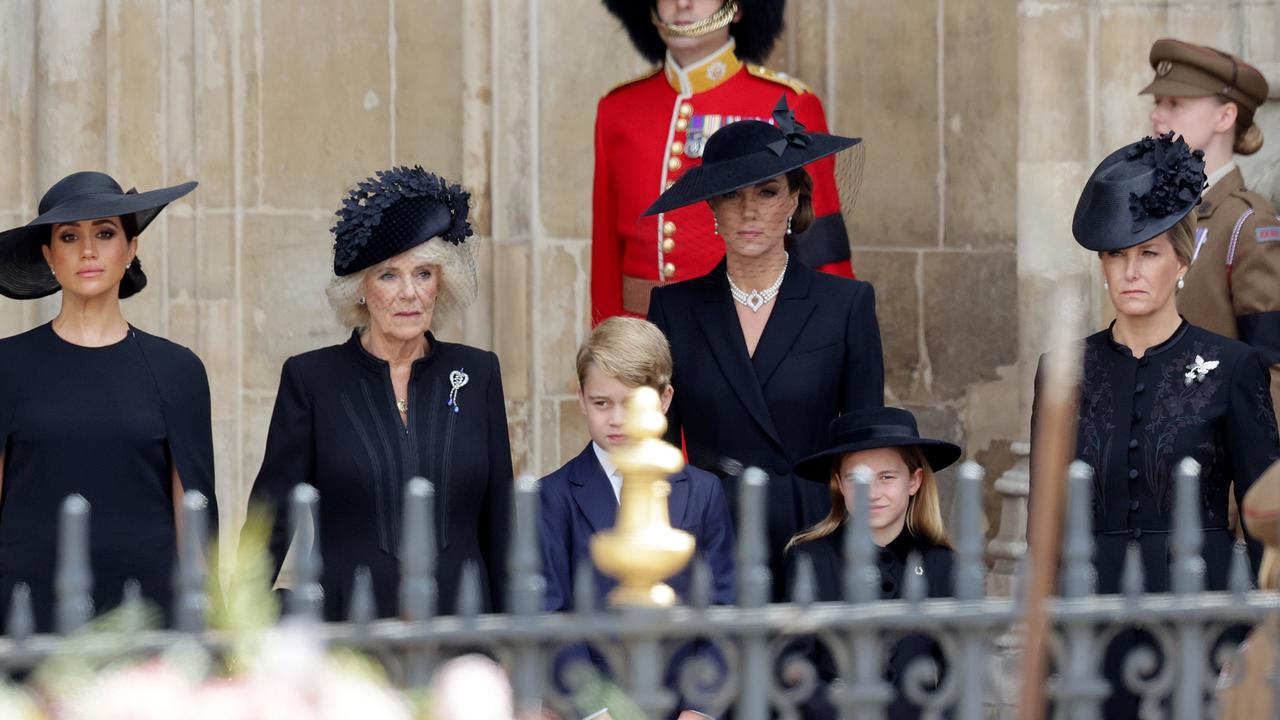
(1178, 178)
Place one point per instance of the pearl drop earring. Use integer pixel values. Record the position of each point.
(788, 224)
(1106, 285)
(1181, 283)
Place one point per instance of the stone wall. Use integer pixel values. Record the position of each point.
(980, 117)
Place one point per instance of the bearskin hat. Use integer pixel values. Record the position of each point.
(755, 34)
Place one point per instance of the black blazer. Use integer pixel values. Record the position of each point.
(1138, 418)
(819, 356)
(335, 425)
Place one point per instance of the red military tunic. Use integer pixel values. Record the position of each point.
(652, 130)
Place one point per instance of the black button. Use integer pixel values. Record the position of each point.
(886, 557)
(1137, 414)
(1133, 444)
(888, 586)
(1133, 474)
(1133, 504)
(1139, 388)
(1137, 533)
(1142, 361)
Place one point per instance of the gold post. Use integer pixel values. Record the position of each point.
(642, 549)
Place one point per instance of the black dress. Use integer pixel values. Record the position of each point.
(827, 556)
(109, 423)
(336, 426)
(1137, 419)
(818, 356)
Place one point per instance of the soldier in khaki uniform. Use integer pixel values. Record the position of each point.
(1233, 287)
(1245, 688)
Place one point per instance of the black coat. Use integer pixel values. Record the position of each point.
(819, 356)
(110, 424)
(336, 426)
(1138, 418)
(827, 557)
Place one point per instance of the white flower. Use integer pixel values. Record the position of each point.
(1197, 370)
(472, 687)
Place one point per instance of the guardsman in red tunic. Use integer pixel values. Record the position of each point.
(652, 130)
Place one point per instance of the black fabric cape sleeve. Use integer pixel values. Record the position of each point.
(495, 518)
(184, 395)
(287, 460)
(1251, 439)
(864, 372)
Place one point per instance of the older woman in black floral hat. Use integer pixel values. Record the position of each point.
(1156, 389)
(358, 420)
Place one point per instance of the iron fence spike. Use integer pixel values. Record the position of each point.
(21, 621)
(970, 567)
(525, 558)
(861, 575)
(364, 608)
(73, 580)
(469, 603)
(1078, 574)
(754, 580)
(803, 589)
(1133, 577)
(307, 598)
(584, 587)
(914, 584)
(700, 584)
(189, 581)
(418, 587)
(1188, 534)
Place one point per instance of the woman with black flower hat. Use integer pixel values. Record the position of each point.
(1156, 389)
(358, 420)
(767, 351)
(91, 406)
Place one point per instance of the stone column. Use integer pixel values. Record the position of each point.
(18, 192)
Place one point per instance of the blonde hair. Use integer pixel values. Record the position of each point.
(457, 265)
(631, 350)
(1182, 236)
(924, 511)
(1248, 136)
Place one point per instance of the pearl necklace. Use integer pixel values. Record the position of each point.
(756, 299)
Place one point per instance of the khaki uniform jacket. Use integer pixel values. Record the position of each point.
(1233, 286)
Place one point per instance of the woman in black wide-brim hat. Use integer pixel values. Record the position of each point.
(905, 518)
(359, 419)
(1156, 389)
(767, 351)
(90, 405)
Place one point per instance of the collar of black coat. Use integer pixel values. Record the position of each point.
(1151, 351)
(373, 362)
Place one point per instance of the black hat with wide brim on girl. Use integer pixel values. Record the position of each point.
(748, 152)
(1138, 192)
(871, 429)
(88, 195)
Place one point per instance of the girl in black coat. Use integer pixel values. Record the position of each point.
(358, 420)
(905, 517)
(767, 352)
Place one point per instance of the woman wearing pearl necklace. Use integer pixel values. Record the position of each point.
(767, 351)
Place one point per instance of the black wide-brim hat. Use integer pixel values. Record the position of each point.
(747, 152)
(88, 195)
(754, 35)
(873, 428)
(1137, 193)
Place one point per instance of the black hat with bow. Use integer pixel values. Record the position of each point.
(88, 195)
(393, 211)
(754, 35)
(1138, 192)
(748, 152)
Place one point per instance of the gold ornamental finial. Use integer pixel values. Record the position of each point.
(642, 549)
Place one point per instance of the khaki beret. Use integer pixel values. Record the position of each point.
(1261, 509)
(1186, 70)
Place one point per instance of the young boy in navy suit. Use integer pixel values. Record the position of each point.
(581, 498)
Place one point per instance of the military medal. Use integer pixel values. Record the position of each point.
(457, 379)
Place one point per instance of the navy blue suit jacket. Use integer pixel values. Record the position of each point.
(578, 501)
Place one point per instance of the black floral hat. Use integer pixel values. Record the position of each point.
(1138, 192)
(393, 211)
(754, 35)
(747, 152)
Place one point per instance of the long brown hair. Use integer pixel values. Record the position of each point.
(924, 512)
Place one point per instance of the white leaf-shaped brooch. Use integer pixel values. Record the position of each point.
(1197, 370)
